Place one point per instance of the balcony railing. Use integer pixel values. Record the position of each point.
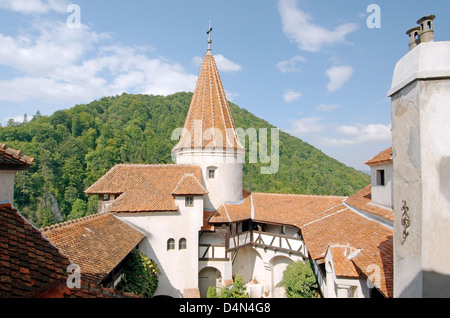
(216, 252)
(276, 242)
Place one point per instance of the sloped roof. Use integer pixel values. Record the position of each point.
(229, 213)
(209, 122)
(145, 188)
(97, 244)
(11, 158)
(363, 200)
(343, 266)
(291, 209)
(29, 263)
(189, 185)
(383, 156)
(346, 227)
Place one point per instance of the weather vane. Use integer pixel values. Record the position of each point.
(209, 33)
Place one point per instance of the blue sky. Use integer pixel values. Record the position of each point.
(312, 68)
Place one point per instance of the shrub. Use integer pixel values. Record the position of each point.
(237, 290)
(300, 281)
(140, 275)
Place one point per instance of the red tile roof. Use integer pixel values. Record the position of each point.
(189, 185)
(291, 209)
(209, 119)
(13, 158)
(384, 156)
(229, 213)
(343, 266)
(29, 263)
(346, 227)
(97, 244)
(363, 200)
(146, 188)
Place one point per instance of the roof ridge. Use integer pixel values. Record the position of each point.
(17, 154)
(304, 195)
(70, 222)
(184, 177)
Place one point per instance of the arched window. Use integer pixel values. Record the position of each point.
(170, 244)
(182, 244)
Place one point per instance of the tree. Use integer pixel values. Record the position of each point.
(140, 275)
(237, 290)
(79, 208)
(300, 281)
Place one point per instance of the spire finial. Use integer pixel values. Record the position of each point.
(209, 40)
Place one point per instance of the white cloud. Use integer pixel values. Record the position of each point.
(291, 65)
(327, 107)
(299, 27)
(290, 96)
(338, 76)
(58, 65)
(34, 6)
(360, 134)
(223, 64)
(307, 125)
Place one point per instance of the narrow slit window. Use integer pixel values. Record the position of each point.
(381, 181)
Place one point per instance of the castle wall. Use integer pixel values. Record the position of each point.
(179, 267)
(421, 160)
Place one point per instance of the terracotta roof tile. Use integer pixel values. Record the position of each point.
(207, 226)
(209, 119)
(291, 209)
(228, 213)
(13, 158)
(343, 265)
(97, 244)
(384, 156)
(189, 185)
(144, 188)
(349, 228)
(363, 200)
(29, 263)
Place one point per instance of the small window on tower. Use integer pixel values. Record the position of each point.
(381, 178)
(212, 173)
(189, 202)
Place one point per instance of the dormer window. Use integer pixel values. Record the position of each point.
(381, 180)
(189, 201)
(212, 172)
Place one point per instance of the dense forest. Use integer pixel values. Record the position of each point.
(73, 148)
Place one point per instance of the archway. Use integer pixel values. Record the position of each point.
(207, 277)
(279, 265)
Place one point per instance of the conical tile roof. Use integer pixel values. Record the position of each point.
(209, 122)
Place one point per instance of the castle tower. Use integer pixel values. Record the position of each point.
(209, 138)
(420, 96)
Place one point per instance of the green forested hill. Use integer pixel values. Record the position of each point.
(75, 147)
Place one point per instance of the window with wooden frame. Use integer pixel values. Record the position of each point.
(170, 244)
(189, 201)
(182, 244)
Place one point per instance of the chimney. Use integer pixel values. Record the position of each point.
(413, 34)
(426, 28)
(422, 33)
